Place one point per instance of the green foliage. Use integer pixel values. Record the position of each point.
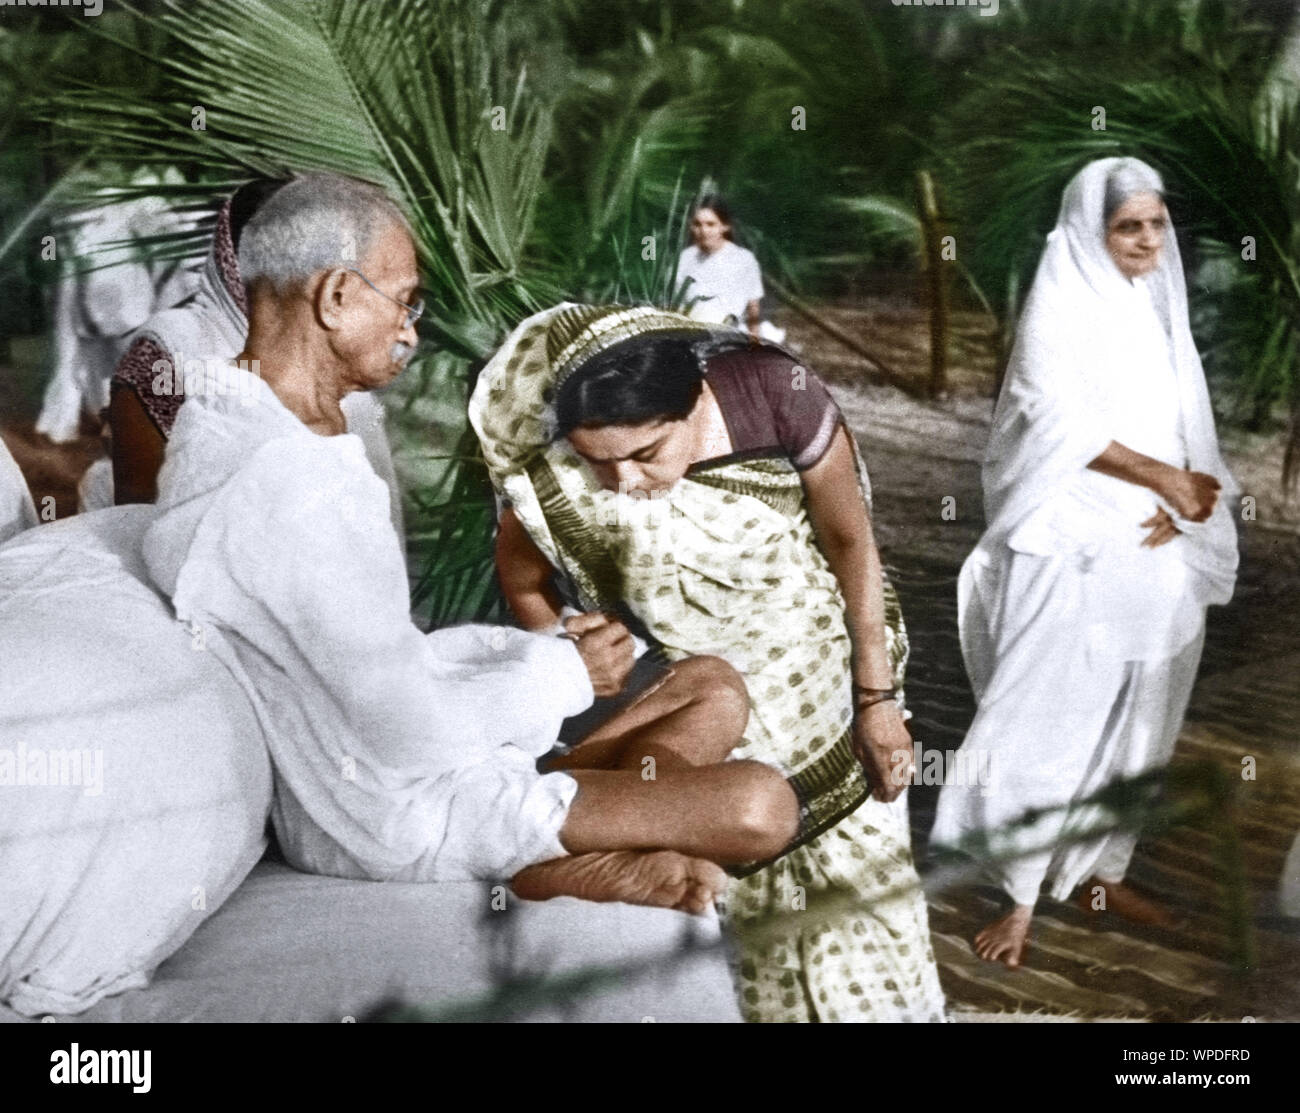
(1229, 174)
(613, 109)
(399, 94)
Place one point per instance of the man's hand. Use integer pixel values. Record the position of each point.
(1192, 494)
(606, 648)
(882, 743)
(1162, 529)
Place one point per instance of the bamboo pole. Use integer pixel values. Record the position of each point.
(883, 370)
(936, 275)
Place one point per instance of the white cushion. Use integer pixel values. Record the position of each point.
(16, 510)
(104, 877)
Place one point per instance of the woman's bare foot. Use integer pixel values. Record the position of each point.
(1006, 940)
(1125, 902)
(661, 878)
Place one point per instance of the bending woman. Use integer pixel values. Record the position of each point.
(1082, 609)
(707, 491)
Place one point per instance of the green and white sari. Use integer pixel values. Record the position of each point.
(726, 563)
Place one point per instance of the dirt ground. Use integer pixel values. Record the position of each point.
(1247, 702)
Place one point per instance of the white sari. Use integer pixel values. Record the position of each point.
(1080, 644)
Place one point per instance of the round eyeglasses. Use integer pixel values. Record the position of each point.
(413, 312)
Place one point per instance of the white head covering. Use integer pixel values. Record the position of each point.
(211, 322)
(1045, 429)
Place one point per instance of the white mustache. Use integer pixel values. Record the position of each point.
(401, 353)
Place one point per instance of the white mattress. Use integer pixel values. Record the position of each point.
(289, 946)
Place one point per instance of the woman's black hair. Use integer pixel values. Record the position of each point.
(720, 210)
(248, 198)
(656, 378)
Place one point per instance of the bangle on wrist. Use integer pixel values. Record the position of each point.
(864, 697)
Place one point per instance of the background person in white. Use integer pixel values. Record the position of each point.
(725, 277)
(1082, 609)
(400, 755)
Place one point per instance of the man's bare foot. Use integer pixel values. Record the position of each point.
(661, 878)
(1125, 902)
(1006, 940)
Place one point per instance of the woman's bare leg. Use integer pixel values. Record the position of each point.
(1125, 902)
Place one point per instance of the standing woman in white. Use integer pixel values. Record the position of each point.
(1082, 609)
(725, 277)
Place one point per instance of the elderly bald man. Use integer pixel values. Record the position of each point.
(401, 755)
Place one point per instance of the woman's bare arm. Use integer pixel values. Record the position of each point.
(138, 449)
(1191, 493)
(1121, 462)
(843, 527)
(839, 517)
(525, 575)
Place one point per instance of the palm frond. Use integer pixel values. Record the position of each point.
(1228, 178)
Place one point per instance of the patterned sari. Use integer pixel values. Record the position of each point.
(726, 563)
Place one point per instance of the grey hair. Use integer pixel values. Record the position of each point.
(1128, 177)
(311, 224)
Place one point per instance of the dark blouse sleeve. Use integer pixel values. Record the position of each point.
(804, 414)
(135, 372)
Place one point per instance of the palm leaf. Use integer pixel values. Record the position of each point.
(1227, 177)
(400, 94)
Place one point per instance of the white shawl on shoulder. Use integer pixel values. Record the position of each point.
(1081, 345)
(275, 544)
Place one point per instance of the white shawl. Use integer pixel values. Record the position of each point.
(1066, 367)
(273, 542)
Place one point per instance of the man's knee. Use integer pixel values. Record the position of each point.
(712, 680)
(767, 811)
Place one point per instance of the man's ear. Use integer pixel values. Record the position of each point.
(330, 298)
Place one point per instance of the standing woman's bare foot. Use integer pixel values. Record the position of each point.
(1006, 940)
(1126, 902)
(661, 878)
